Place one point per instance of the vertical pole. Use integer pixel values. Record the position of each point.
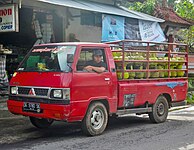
(170, 48)
(148, 60)
(187, 61)
(123, 59)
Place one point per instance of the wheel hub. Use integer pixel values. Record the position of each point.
(160, 109)
(97, 119)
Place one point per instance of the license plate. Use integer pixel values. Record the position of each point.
(31, 107)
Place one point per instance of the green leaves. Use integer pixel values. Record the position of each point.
(145, 7)
(185, 9)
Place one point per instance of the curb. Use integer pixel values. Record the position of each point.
(179, 108)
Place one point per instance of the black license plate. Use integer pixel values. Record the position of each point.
(31, 107)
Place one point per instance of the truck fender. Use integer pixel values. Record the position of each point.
(167, 96)
(102, 100)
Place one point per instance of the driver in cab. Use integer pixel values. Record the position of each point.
(96, 65)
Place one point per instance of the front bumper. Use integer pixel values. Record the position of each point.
(51, 111)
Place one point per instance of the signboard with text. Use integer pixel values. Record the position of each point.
(151, 31)
(9, 18)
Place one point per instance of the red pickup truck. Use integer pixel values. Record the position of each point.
(139, 77)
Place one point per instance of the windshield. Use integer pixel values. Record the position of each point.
(48, 58)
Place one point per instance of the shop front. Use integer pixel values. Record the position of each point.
(24, 27)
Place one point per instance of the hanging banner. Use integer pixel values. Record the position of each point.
(151, 31)
(9, 18)
(132, 29)
(112, 28)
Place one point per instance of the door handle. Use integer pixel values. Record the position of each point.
(107, 79)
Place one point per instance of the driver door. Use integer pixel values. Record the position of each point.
(91, 85)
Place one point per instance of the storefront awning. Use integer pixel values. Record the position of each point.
(102, 8)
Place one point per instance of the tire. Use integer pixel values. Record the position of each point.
(41, 123)
(159, 110)
(95, 120)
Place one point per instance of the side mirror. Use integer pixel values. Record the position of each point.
(70, 58)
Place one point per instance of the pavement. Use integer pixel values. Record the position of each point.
(4, 113)
(3, 103)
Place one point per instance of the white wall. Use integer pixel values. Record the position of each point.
(83, 33)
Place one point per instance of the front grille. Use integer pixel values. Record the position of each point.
(41, 92)
(23, 90)
(33, 91)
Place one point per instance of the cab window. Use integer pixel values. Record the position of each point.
(86, 55)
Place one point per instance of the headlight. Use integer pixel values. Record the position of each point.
(13, 90)
(60, 93)
(57, 93)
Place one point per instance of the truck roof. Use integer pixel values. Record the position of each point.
(76, 44)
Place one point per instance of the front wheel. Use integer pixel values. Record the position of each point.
(159, 110)
(95, 120)
(41, 123)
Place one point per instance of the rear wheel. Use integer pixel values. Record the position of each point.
(95, 120)
(159, 110)
(41, 123)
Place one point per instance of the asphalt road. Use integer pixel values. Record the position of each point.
(126, 133)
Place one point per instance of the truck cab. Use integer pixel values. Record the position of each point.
(52, 84)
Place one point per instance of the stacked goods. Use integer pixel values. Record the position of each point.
(173, 65)
(117, 56)
(119, 75)
(166, 67)
(156, 64)
(153, 65)
(140, 75)
(180, 66)
(126, 74)
(139, 65)
(161, 66)
(154, 74)
(130, 67)
(161, 73)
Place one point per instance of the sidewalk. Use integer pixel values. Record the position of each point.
(4, 113)
(3, 103)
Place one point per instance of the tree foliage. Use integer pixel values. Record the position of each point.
(145, 7)
(187, 36)
(185, 9)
